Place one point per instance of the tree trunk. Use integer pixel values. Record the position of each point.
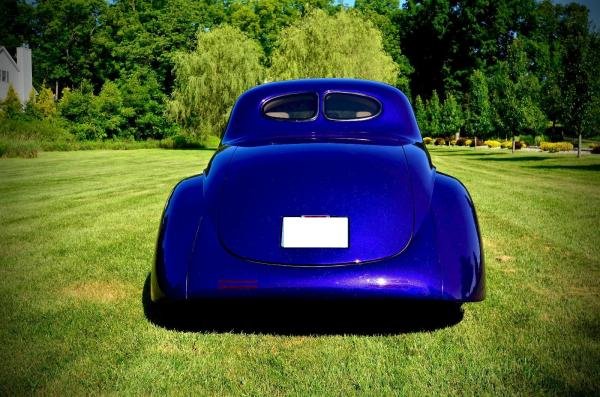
(579, 146)
(474, 142)
(513, 144)
(56, 91)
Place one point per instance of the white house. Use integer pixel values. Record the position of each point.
(16, 73)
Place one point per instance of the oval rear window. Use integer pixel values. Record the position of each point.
(342, 106)
(292, 107)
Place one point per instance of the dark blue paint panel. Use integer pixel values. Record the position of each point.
(413, 232)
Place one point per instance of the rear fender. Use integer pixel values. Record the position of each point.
(458, 240)
(177, 232)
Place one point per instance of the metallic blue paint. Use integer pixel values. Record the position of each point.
(413, 231)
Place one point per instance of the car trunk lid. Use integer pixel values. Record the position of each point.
(368, 184)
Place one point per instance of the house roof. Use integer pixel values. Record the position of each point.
(2, 48)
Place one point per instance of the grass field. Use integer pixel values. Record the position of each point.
(77, 233)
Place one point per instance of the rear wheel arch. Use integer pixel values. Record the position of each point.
(177, 232)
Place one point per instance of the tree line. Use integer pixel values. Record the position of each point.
(140, 69)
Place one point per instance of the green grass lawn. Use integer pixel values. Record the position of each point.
(77, 238)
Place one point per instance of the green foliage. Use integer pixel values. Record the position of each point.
(479, 112)
(263, 20)
(45, 104)
(554, 147)
(181, 141)
(11, 107)
(429, 115)
(451, 120)
(144, 106)
(434, 115)
(340, 45)
(16, 148)
(385, 14)
(78, 106)
(540, 60)
(515, 94)
(63, 40)
(126, 109)
(579, 83)
(31, 111)
(224, 64)
(421, 115)
(108, 110)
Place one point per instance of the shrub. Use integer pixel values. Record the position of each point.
(539, 139)
(492, 144)
(596, 149)
(480, 142)
(181, 142)
(554, 147)
(10, 107)
(461, 141)
(439, 141)
(519, 145)
(506, 144)
(427, 140)
(18, 148)
(40, 130)
(527, 139)
(468, 142)
(453, 142)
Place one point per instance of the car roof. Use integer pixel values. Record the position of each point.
(248, 124)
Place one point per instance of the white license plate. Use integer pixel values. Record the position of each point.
(314, 232)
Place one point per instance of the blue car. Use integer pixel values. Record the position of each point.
(323, 189)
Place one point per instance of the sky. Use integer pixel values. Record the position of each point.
(593, 5)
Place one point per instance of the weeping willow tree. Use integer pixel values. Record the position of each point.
(208, 80)
(340, 45)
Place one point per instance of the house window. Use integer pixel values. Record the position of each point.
(4, 75)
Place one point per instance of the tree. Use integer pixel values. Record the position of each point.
(580, 73)
(208, 80)
(42, 106)
(452, 117)
(108, 108)
(421, 115)
(342, 45)
(515, 94)
(11, 107)
(143, 105)
(591, 113)
(79, 108)
(263, 20)
(447, 40)
(62, 40)
(479, 113)
(434, 112)
(15, 21)
(385, 16)
(146, 34)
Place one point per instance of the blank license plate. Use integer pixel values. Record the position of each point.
(314, 232)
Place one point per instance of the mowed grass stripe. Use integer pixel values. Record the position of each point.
(78, 231)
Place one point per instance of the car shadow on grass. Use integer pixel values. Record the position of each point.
(302, 317)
